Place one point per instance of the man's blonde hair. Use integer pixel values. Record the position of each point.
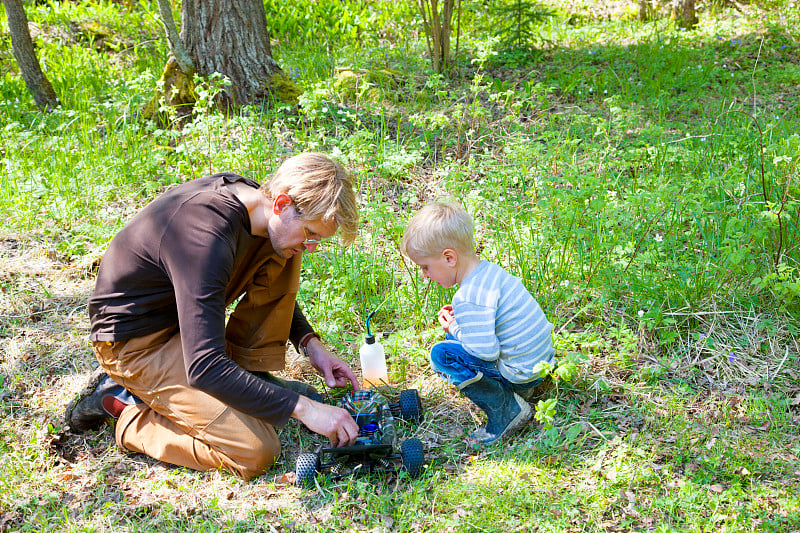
(320, 188)
(438, 226)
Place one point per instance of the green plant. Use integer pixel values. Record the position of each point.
(519, 22)
(602, 166)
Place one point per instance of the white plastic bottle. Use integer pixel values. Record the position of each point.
(373, 360)
(373, 363)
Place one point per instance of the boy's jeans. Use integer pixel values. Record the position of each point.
(451, 360)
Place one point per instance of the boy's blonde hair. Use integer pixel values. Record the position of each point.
(320, 188)
(438, 226)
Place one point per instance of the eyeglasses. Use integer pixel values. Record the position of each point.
(309, 241)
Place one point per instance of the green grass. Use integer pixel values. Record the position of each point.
(641, 181)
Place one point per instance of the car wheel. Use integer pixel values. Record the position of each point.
(413, 456)
(410, 405)
(306, 469)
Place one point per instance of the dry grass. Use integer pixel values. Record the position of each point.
(46, 359)
(730, 349)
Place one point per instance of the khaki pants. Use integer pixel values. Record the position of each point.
(176, 423)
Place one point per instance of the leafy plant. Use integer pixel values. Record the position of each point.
(613, 166)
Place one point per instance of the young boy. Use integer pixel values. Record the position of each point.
(495, 332)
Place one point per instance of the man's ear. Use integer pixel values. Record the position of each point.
(450, 256)
(281, 202)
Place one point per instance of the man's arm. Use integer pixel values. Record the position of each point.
(197, 254)
(300, 326)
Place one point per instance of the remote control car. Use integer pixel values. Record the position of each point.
(376, 448)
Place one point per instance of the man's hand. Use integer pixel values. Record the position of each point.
(334, 371)
(328, 420)
(446, 317)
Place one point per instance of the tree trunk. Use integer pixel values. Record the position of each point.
(437, 24)
(230, 37)
(174, 39)
(22, 45)
(685, 13)
(645, 11)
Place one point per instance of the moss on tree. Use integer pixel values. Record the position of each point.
(175, 90)
(284, 89)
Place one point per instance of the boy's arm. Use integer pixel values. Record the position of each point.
(474, 326)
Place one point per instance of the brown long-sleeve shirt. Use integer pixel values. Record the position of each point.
(182, 261)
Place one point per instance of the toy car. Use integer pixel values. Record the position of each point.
(376, 447)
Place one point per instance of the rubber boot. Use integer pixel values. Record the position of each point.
(304, 389)
(506, 412)
(101, 399)
(539, 392)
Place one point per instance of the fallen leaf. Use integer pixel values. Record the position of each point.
(288, 478)
(69, 476)
(551, 460)
(611, 474)
(717, 488)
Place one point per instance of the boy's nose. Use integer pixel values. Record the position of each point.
(311, 247)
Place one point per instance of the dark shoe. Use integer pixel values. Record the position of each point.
(506, 412)
(303, 389)
(539, 392)
(99, 400)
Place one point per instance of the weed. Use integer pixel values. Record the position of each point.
(640, 180)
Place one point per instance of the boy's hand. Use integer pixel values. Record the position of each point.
(446, 317)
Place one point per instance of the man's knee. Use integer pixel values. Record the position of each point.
(258, 459)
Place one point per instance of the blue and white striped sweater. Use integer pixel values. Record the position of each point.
(497, 319)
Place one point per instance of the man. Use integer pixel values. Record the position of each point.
(185, 386)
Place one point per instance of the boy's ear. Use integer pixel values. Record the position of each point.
(450, 256)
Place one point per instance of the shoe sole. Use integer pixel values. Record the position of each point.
(94, 380)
